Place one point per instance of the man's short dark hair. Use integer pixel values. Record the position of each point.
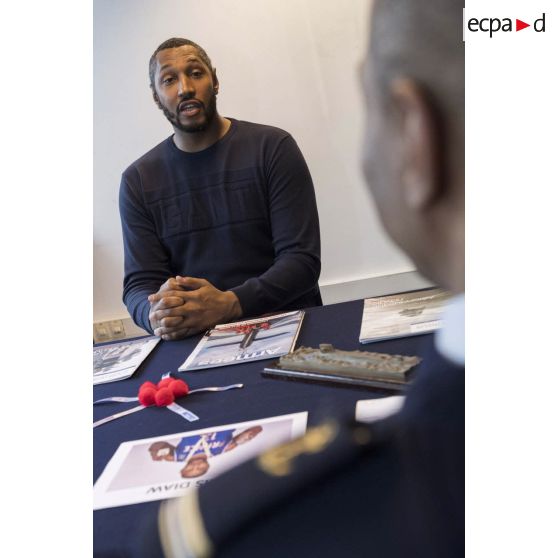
(175, 42)
(422, 41)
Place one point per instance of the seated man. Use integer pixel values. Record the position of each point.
(394, 488)
(220, 219)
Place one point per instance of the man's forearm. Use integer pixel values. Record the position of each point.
(232, 308)
(290, 278)
(138, 307)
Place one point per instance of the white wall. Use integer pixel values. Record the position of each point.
(288, 63)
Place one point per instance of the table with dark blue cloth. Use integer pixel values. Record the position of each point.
(338, 324)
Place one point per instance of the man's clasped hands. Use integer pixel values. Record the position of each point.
(185, 306)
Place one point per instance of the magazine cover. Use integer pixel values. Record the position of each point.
(402, 315)
(237, 342)
(118, 361)
(167, 466)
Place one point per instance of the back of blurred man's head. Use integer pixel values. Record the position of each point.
(413, 155)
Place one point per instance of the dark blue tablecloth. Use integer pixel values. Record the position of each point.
(261, 397)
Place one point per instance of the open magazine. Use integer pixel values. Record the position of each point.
(257, 339)
(402, 315)
(118, 361)
(168, 466)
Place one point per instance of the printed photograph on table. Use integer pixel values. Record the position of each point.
(118, 361)
(167, 466)
(402, 314)
(244, 341)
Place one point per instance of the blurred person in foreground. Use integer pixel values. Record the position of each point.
(394, 488)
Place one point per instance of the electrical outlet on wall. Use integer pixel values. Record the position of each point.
(116, 329)
(101, 332)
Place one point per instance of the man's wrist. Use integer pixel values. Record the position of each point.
(234, 310)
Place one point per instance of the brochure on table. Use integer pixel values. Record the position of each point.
(402, 315)
(118, 361)
(245, 341)
(168, 466)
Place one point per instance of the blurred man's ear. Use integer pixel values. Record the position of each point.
(215, 81)
(156, 99)
(419, 144)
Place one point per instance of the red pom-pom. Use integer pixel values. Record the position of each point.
(146, 396)
(148, 385)
(165, 382)
(163, 397)
(179, 388)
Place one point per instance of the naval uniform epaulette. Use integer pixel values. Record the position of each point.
(196, 524)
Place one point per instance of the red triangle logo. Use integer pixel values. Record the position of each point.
(519, 25)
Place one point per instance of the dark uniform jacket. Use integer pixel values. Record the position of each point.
(394, 488)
